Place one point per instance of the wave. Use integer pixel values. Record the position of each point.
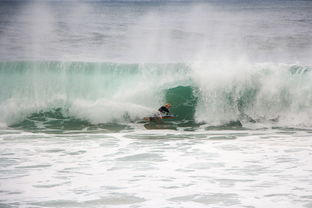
(78, 95)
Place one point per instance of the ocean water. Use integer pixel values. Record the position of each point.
(78, 77)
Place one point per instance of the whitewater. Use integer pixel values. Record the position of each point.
(78, 77)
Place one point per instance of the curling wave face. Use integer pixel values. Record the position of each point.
(82, 95)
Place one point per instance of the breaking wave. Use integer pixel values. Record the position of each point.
(115, 96)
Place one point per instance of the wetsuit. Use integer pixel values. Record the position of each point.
(164, 110)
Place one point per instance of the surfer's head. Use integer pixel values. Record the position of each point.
(168, 105)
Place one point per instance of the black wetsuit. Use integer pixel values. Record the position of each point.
(164, 110)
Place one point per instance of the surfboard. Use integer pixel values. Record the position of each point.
(155, 118)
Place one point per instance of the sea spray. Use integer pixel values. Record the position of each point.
(253, 92)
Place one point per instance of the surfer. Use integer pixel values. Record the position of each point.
(164, 110)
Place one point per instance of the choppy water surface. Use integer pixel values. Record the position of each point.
(228, 168)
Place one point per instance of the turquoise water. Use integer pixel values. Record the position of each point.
(90, 96)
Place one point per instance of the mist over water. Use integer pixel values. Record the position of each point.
(256, 31)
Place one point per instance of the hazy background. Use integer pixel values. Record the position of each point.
(156, 31)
